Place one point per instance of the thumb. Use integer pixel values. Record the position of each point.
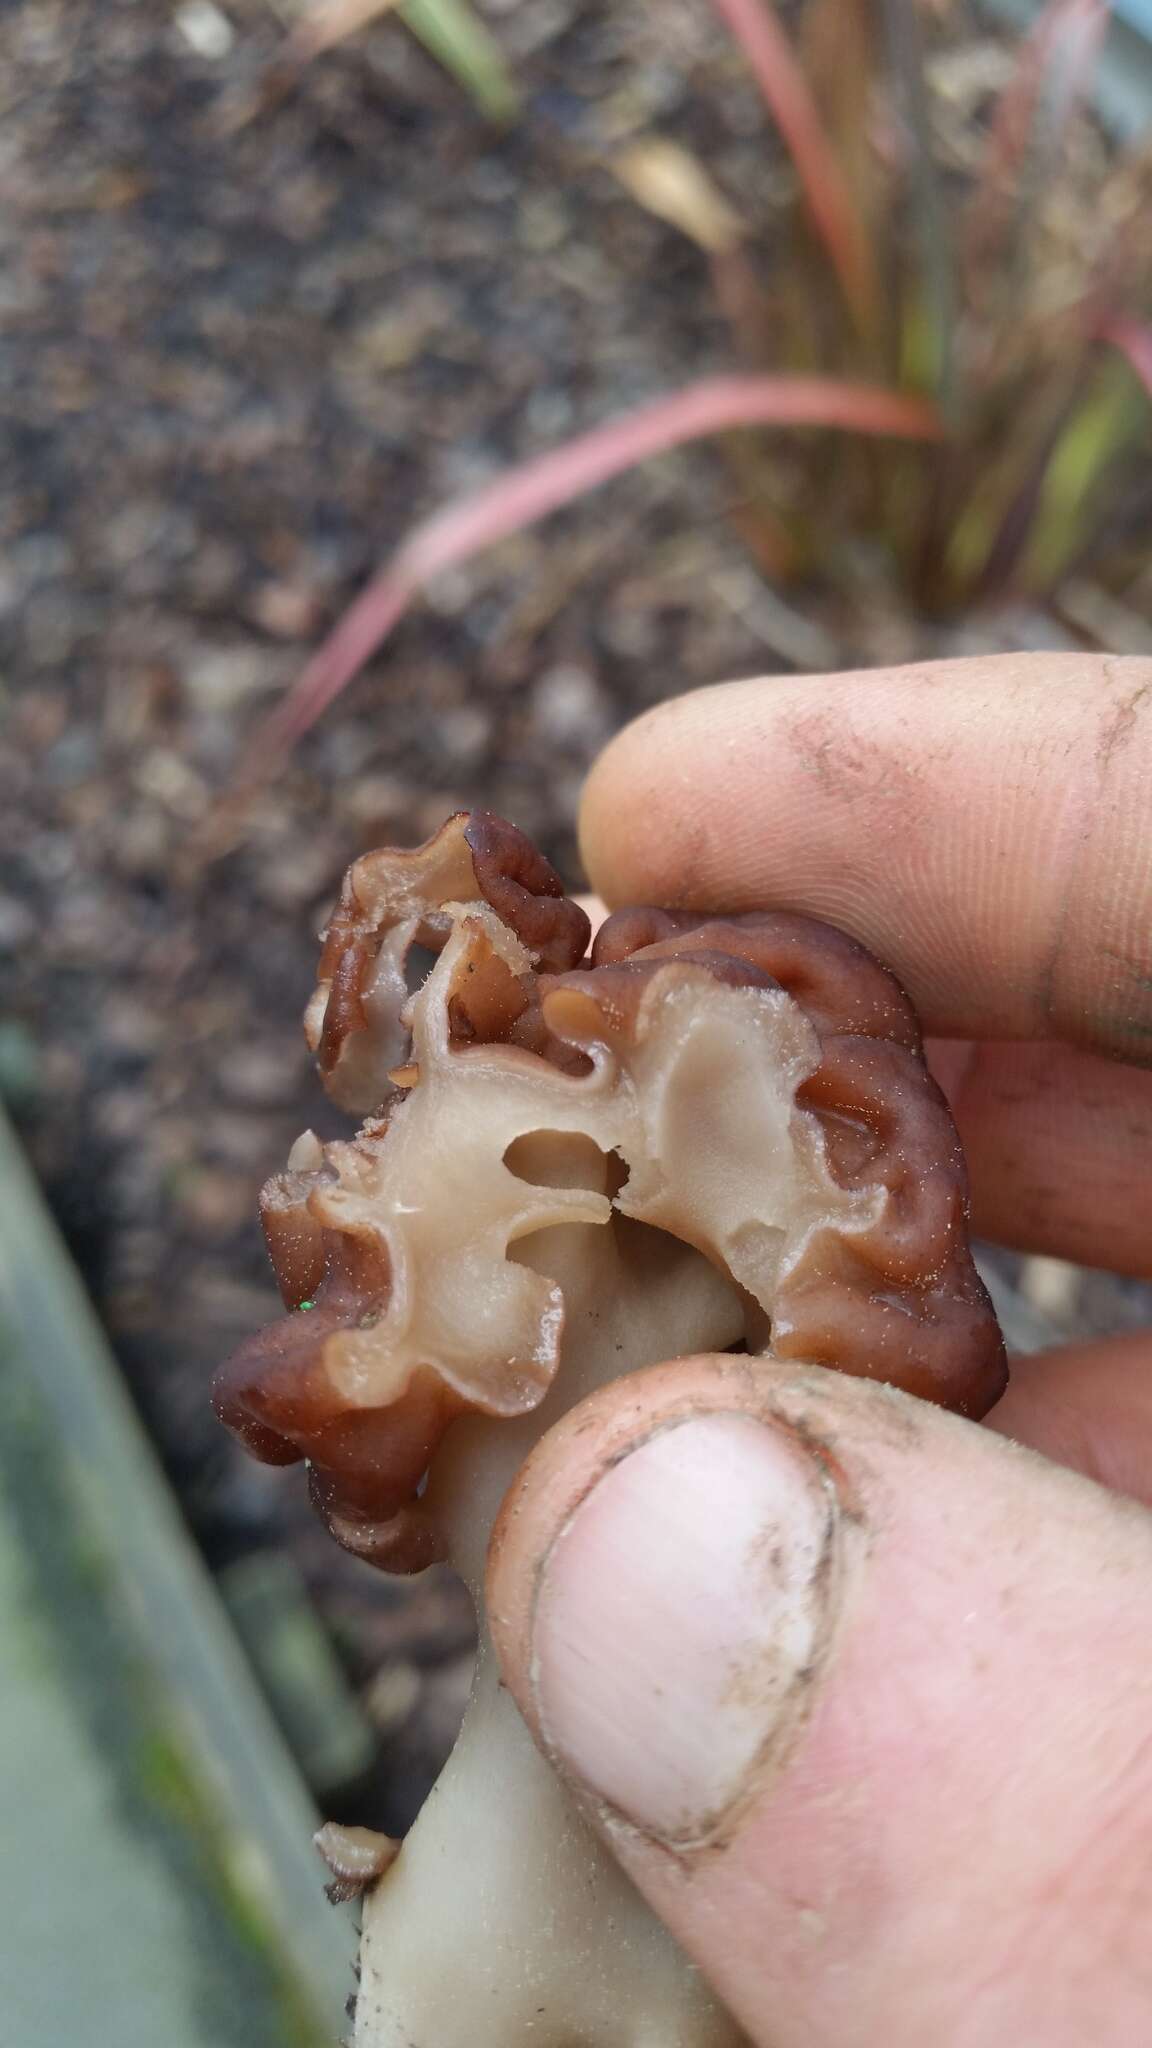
(860, 1695)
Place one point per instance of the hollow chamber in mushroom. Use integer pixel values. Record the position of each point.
(708, 1134)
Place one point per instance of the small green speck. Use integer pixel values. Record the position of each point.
(301, 1306)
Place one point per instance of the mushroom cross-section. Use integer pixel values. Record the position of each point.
(712, 1133)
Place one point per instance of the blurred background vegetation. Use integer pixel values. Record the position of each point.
(311, 313)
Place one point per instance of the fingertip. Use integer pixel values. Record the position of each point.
(560, 1473)
(977, 823)
(1088, 1406)
(829, 1669)
(659, 822)
(629, 808)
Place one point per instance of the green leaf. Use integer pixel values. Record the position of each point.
(1104, 425)
(452, 33)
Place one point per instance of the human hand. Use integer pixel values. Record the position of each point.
(861, 1694)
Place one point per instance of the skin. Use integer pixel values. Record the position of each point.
(978, 1848)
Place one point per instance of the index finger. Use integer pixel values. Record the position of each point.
(984, 826)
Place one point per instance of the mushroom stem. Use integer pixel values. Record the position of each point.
(502, 1901)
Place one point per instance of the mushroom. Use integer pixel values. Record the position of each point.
(713, 1134)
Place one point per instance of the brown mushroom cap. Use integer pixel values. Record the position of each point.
(394, 899)
(760, 1078)
(901, 1301)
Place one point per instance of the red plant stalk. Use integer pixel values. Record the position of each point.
(788, 96)
(1133, 339)
(528, 493)
(1055, 64)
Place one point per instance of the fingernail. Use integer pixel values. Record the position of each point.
(678, 1618)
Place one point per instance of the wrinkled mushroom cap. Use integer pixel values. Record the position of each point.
(754, 1087)
(391, 901)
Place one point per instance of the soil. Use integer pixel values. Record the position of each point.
(244, 347)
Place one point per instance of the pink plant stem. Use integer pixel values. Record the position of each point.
(1134, 341)
(526, 494)
(788, 96)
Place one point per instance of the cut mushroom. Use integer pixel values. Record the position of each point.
(712, 1133)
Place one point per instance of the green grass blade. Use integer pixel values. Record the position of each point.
(452, 33)
(1103, 427)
